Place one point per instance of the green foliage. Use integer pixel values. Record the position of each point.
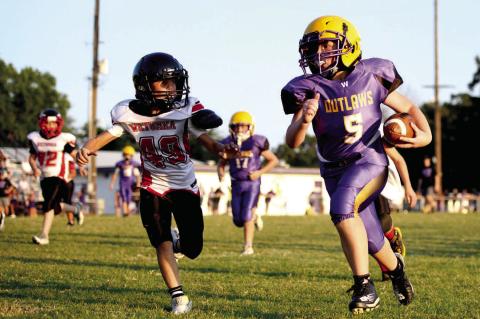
(200, 153)
(107, 269)
(23, 95)
(303, 156)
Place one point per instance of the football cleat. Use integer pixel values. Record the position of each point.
(402, 288)
(40, 240)
(2, 221)
(248, 250)
(78, 213)
(364, 296)
(177, 252)
(259, 223)
(181, 305)
(397, 243)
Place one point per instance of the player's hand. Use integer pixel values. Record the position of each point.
(83, 156)
(82, 170)
(229, 151)
(411, 197)
(254, 175)
(420, 139)
(36, 172)
(310, 108)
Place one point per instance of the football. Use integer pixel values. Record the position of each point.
(398, 125)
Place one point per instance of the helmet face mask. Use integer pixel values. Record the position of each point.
(344, 52)
(156, 67)
(45, 120)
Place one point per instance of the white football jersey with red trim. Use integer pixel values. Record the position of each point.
(50, 153)
(164, 145)
(69, 167)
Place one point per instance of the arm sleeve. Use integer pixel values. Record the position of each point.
(116, 130)
(386, 74)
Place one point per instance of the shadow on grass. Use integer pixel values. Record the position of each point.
(76, 262)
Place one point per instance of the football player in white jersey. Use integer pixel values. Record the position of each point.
(161, 119)
(47, 159)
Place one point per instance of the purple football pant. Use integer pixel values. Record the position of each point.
(125, 192)
(244, 197)
(352, 192)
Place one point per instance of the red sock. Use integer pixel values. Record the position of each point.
(389, 234)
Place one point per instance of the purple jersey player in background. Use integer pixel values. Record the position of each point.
(129, 175)
(341, 98)
(245, 172)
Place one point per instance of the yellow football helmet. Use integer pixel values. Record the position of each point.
(128, 150)
(346, 52)
(241, 118)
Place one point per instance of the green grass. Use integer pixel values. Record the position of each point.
(107, 269)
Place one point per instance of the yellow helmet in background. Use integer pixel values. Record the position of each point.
(128, 150)
(342, 32)
(241, 118)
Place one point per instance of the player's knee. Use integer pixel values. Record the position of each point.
(374, 245)
(238, 222)
(192, 251)
(156, 237)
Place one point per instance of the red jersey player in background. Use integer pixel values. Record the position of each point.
(47, 159)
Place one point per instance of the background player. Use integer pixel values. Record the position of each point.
(397, 174)
(161, 120)
(341, 98)
(245, 172)
(69, 190)
(127, 170)
(47, 158)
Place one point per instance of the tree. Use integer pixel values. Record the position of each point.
(304, 156)
(23, 95)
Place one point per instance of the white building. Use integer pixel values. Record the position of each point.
(293, 191)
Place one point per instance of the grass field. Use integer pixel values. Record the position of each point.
(106, 269)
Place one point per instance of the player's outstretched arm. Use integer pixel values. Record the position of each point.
(401, 104)
(93, 145)
(223, 151)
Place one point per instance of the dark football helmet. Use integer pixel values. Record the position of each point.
(46, 116)
(157, 67)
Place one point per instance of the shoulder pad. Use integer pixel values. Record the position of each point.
(295, 92)
(119, 111)
(385, 73)
(206, 119)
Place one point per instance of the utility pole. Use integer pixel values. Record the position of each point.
(92, 122)
(438, 114)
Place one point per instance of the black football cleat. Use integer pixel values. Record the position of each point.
(364, 296)
(402, 288)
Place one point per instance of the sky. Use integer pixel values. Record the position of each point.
(239, 54)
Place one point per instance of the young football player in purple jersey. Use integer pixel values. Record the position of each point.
(128, 172)
(341, 98)
(161, 118)
(245, 172)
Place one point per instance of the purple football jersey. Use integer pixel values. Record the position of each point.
(126, 170)
(349, 115)
(250, 159)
